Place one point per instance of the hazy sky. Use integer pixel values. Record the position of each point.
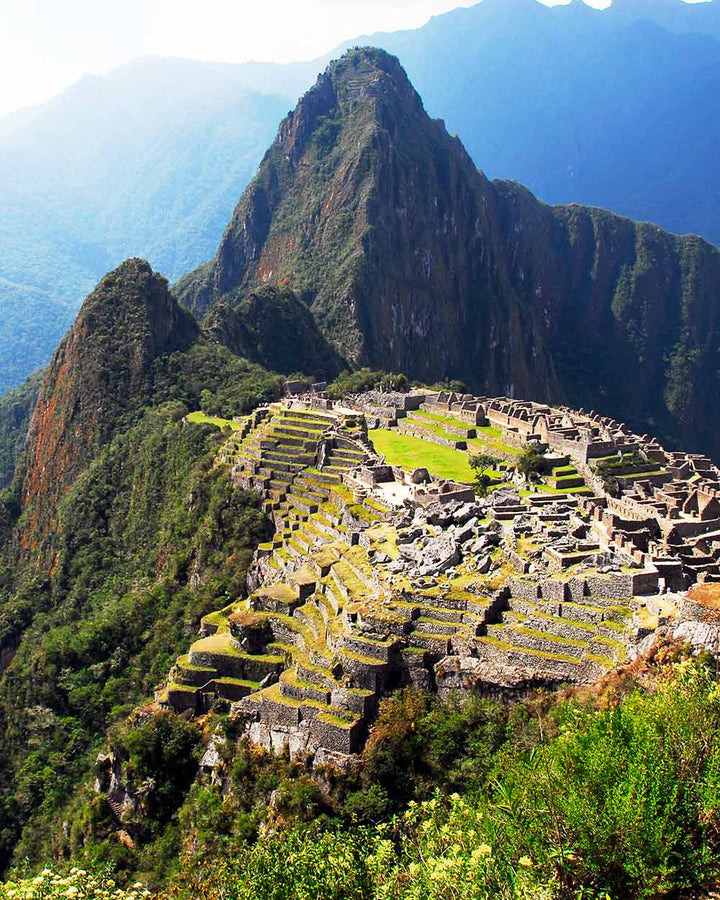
(45, 45)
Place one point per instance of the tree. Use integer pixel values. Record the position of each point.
(532, 464)
(480, 463)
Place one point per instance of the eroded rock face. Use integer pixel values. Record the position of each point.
(462, 675)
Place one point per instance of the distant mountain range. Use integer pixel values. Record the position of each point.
(616, 108)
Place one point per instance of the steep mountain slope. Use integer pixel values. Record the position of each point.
(274, 328)
(117, 533)
(569, 102)
(99, 371)
(16, 408)
(615, 108)
(411, 260)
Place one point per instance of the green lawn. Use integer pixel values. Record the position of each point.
(199, 418)
(432, 428)
(546, 489)
(411, 453)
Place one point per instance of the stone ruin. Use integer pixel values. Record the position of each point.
(376, 578)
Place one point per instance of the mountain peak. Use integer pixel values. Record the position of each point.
(98, 375)
(324, 171)
(135, 302)
(364, 77)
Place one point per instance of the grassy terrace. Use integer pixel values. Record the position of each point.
(489, 439)
(221, 644)
(432, 427)
(411, 453)
(528, 651)
(199, 418)
(440, 420)
(547, 489)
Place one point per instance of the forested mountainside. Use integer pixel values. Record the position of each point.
(275, 328)
(115, 509)
(16, 407)
(566, 100)
(412, 261)
(94, 176)
(146, 533)
(539, 95)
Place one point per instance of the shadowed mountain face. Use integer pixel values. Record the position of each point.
(275, 329)
(411, 260)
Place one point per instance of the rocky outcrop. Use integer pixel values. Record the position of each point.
(411, 260)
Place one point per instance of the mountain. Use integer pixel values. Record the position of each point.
(412, 260)
(570, 102)
(149, 536)
(16, 407)
(117, 530)
(367, 234)
(615, 108)
(100, 371)
(273, 327)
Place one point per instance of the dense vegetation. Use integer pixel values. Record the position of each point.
(559, 796)
(273, 327)
(106, 569)
(118, 531)
(149, 517)
(613, 796)
(16, 407)
(608, 795)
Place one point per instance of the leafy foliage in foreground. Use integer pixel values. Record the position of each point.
(610, 797)
(77, 884)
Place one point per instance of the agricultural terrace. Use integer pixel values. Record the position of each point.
(200, 418)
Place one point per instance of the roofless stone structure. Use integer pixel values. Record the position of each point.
(377, 577)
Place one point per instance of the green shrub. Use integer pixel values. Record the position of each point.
(77, 884)
(366, 380)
